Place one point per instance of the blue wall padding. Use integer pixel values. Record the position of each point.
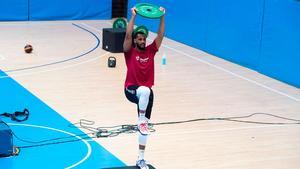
(233, 30)
(70, 9)
(261, 34)
(280, 50)
(13, 10)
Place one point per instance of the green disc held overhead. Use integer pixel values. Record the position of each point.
(120, 23)
(148, 10)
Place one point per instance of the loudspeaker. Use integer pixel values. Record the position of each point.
(112, 39)
(6, 140)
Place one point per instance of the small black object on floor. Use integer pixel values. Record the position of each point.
(130, 167)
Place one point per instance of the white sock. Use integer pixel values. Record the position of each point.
(142, 115)
(141, 154)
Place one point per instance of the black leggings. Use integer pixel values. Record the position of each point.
(130, 93)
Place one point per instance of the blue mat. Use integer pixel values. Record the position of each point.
(44, 123)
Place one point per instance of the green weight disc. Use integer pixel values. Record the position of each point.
(120, 23)
(142, 29)
(148, 10)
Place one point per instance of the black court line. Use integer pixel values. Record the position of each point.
(62, 61)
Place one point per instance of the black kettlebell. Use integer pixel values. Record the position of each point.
(112, 61)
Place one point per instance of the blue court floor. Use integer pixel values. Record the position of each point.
(44, 123)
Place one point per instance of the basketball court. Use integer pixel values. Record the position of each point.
(239, 118)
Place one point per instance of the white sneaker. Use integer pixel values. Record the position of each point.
(142, 164)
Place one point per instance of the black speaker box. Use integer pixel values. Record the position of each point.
(6, 140)
(112, 39)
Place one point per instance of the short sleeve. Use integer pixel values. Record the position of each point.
(153, 47)
(128, 53)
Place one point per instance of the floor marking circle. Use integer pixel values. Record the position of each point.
(62, 131)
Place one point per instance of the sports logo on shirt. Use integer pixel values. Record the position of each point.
(142, 60)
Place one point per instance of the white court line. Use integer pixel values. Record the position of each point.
(232, 73)
(88, 154)
(54, 69)
(2, 57)
(95, 29)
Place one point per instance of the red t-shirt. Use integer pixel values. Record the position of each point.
(140, 66)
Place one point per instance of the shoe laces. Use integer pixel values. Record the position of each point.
(143, 126)
(142, 164)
